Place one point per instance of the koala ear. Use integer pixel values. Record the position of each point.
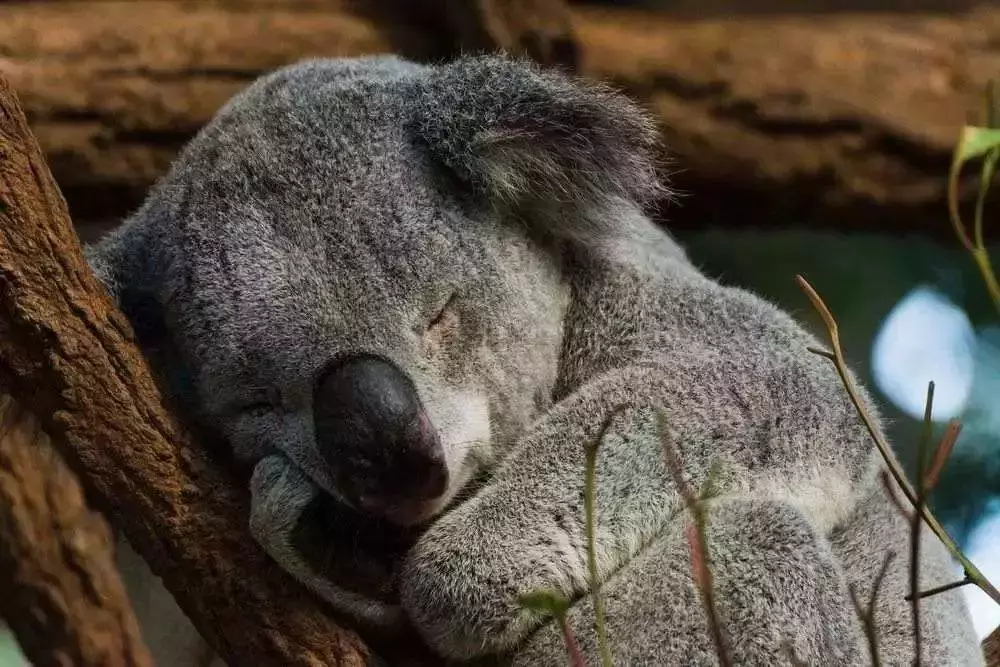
(540, 142)
(120, 261)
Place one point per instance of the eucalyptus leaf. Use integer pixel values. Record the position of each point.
(977, 141)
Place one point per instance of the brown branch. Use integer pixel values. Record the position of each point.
(930, 592)
(991, 649)
(69, 354)
(847, 120)
(62, 596)
(697, 540)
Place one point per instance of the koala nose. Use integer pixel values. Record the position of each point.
(373, 432)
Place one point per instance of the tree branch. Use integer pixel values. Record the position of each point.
(61, 592)
(843, 121)
(991, 649)
(69, 354)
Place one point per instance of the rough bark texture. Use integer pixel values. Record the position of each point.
(69, 354)
(844, 120)
(61, 592)
(991, 648)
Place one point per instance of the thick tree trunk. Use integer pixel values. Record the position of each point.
(62, 595)
(843, 120)
(69, 353)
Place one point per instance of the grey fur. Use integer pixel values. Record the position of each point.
(335, 206)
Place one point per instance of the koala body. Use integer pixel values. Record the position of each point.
(412, 295)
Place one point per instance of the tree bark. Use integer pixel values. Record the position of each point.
(62, 596)
(844, 121)
(991, 648)
(69, 353)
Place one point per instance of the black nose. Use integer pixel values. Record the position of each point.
(374, 433)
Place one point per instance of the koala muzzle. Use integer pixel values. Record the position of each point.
(374, 434)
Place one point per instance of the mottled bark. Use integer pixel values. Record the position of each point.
(62, 595)
(843, 120)
(991, 647)
(69, 355)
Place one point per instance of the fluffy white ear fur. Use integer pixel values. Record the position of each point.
(561, 151)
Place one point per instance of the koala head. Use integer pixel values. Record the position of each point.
(361, 263)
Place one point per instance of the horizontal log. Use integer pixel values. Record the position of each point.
(843, 120)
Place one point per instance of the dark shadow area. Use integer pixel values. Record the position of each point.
(718, 203)
(722, 8)
(448, 27)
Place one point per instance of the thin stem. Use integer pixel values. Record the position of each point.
(867, 615)
(954, 180)
(946, 444)
(942, 589)
(982, 259)
(925, 438)
(572, 647)
(885, 450)
(699, 544)
(893, 496)
(989, 166)
(590, 493)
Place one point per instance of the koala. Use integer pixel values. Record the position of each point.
(409, 297)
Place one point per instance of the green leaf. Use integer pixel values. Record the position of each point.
(976, 141)
(545, 602)
(985, 180)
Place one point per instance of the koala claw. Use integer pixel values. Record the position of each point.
(280, 493)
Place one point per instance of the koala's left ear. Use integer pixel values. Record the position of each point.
(539, 141)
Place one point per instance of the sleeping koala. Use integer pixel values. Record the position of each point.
(410, 295)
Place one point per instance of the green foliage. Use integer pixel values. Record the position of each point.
(981, 143)
(976, 142)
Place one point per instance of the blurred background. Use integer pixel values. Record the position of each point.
(811, 137)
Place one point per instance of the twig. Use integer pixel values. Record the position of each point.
(942, 453)
(590, 493)
(976, 246)
(697, 542)
(914, 599)
(940, 589)
(550, 603)
(893, 496)
(837, 357)
(867, 616)
(572, 647)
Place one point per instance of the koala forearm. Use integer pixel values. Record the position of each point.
(530, 520)
(775, 581)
